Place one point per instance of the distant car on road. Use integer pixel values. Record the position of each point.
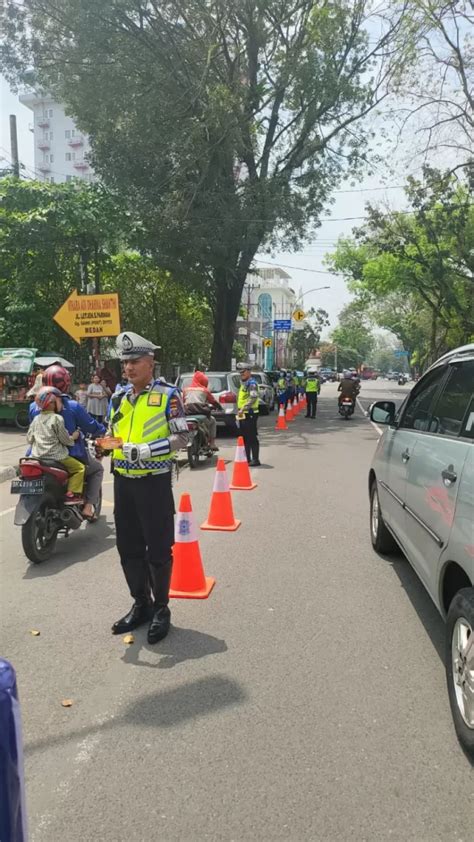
(327, 375)
(421, 487)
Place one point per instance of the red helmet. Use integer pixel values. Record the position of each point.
(46, 397)
(58, 377)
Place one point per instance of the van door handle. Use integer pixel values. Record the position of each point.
(449, 476)
(406, 455)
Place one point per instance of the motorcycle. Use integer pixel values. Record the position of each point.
(402, 380)
(198, 444)
(42, 511)
(346, 407)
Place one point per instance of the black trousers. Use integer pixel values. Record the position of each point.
(248, 428)
(144, 522)
(311, 404)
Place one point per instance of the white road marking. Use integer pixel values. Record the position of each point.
(7, 511)
(376, 426)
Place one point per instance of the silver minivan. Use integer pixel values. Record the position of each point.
(421, 487)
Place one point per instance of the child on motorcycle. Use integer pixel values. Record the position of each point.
(49, 439)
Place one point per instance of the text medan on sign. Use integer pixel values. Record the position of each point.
(85, 316)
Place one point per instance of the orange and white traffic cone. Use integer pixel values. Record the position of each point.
(281, 423)
(221, 514)
(187, 578)
(289, 414)
(241, 479)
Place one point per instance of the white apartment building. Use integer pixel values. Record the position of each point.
(60, 148)
(267, 296)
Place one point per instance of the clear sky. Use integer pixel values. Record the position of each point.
(308, 262)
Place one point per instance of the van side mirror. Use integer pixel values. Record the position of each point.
(383, 412)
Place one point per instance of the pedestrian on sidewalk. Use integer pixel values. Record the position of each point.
(148, 416)
(312, 392)
(247, 414)
(97, 400)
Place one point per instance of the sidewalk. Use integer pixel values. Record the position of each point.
(12, 447)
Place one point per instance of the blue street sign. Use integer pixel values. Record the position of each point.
(401, 353)
(282, 324)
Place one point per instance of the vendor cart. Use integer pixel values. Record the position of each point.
(16, 366)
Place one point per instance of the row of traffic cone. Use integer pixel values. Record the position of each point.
(188, 580)
(292, 410)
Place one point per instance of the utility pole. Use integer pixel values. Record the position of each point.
(14, 146)
(335, 357)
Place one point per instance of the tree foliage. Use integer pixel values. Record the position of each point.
(304, 341)
(226, 124)
(414, 270)
(353, 337)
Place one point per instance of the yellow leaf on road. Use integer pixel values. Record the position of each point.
(129, 638)
(66, 703)
(35, 632)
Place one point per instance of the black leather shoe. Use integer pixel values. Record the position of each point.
(160, 624)
(139, 613)
(255, 463)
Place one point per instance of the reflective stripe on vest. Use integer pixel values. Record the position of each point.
(141, 423)
(243, 398)
(312, 385)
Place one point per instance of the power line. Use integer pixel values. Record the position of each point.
(298, 268)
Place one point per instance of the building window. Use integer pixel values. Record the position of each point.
(69, 178)
(51, 159)
(68, 156)
(51, 179)
(73, 156)
(67, 134)
(45, 135)
(50, 112)
(73, 133)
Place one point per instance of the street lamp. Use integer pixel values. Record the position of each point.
(316, 289)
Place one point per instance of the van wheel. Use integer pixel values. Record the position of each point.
(381, 538)
(460, 666)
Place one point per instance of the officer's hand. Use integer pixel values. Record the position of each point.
(136, 452)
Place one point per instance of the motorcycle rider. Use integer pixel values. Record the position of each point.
(75, 417)
(349, 387)
(198, 400)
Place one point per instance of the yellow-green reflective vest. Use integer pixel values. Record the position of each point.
(312, 385)
(140, 423)
(243, 398)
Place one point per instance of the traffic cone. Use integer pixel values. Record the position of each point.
(281, 423)
(289, 413)
(241, 479)
(221, 513)
(187, 579)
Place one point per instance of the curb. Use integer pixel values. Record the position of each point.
(7, 472)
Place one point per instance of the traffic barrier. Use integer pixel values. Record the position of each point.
(221, 514)
(241, 479)
(281, 423)
(187, 579)
(12, 792)
(289, 414)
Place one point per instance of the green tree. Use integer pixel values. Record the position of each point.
(52, 238)
(155, 306)
(226, 125)
(353, 336)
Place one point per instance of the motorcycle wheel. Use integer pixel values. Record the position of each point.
(193, 453)
(38, 535)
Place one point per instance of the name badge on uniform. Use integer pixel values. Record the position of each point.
(155, 399)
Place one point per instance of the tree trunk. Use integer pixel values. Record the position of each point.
(226, 309)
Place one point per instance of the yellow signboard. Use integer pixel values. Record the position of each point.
(89, 316)
(268, 343)
(299, 315)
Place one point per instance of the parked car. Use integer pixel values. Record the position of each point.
(224, 385)
(327, 375)
(267, 397)
(421, 486)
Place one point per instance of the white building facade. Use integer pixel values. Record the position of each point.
(267, 297)
(61, 150)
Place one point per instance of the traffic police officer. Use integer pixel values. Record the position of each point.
(247, 414)
(281, 388)
(148, 416)
(312, 391)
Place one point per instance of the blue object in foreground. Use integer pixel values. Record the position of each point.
(12, 795)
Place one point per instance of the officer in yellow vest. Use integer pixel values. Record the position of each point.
(247, 414)
(312, 391)
(148, 416)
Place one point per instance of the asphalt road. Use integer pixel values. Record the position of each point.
(304, 700)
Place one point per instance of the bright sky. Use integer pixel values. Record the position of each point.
(305, 267)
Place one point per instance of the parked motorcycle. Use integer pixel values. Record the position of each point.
(198, 444)
(42, 511)
(346, 407)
